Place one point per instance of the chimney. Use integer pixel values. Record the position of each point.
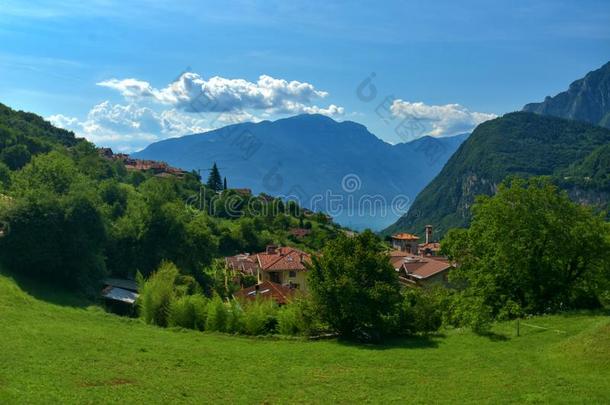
(428, 234)
(271, 249)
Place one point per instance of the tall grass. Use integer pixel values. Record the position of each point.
(165, 302)
(157, 294)
(218, 315)
(260, 317)
(189, 311)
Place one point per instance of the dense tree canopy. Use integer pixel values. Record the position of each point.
(75, 216)
(354, 286)
(530, 249)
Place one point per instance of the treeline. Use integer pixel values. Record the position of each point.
(74, 217)
(355, 294)
(170, 300)
(529, 251)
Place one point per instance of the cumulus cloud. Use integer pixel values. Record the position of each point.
(190, 104)
(439, 120)
(129, 88)
(192, 93)
(129, 127)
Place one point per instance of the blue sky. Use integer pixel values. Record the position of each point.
(127, 75)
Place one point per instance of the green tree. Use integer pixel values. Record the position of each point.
(15, 156)
(53, 172)
(354, 286)
(58, 239)
(5, 176)
(530, 249)
(214, 179)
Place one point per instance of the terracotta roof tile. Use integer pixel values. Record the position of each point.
(267, 290)
(283, 258)
(424, 268)
(405, 236)
(243, 263)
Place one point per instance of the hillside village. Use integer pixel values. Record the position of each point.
(304, 202)
(160, 169)
(280, 273)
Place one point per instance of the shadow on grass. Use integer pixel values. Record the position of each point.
(584, 312)
(493, 336)
(411, 342)
(53, 293)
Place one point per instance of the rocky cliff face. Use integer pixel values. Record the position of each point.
(574, 154)
(587, 99)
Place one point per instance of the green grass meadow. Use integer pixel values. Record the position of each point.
(55, 349)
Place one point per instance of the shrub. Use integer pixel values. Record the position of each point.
(421, 311)
(287, 323)
(469, 311)
(217, 315)
(189, 311)
(298, 318)
(260, 317)
(157, 293)
(236, 318)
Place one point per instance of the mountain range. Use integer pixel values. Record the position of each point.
(562, 137)
(587, 99)
(325, 164)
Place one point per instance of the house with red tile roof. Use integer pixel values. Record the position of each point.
(159, 169)
(281, 294)
(422, 266)
(406, 242)
(429, 249)
(397, 257)
(244, 192)
(299, 233)
(243, 263)
(284, 265)
(420, 271)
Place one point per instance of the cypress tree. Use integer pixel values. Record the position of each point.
(214, 180)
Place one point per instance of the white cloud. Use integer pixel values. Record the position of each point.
(129, 88)
(190, 104)
(125, 118)
(191, 93)
(439, 120)
(129, 127)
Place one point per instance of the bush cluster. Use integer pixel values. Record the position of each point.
(164, 302)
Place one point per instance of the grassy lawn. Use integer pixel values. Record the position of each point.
(52, 352)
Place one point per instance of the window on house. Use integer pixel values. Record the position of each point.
(292, 274)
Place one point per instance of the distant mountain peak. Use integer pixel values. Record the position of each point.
(587, 99)
(311, 154)
(518, 143)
